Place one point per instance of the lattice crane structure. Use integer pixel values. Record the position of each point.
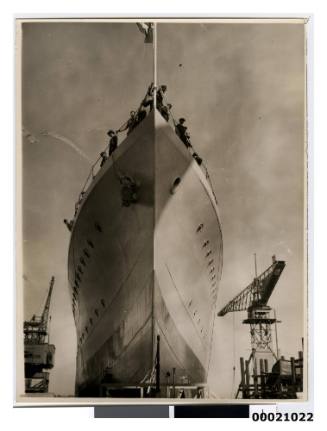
(264, 374)
(38, 352)
(254, 299)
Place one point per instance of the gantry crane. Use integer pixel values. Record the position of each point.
(276, 377)
(254, 299)
(38, 353)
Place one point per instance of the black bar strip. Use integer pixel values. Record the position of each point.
(212, 411)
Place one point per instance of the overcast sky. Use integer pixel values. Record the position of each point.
(240, 88)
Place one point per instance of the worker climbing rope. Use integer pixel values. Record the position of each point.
(182, 133)
(113, 142)
(148, 98)
(69, 224)
(130, 124)
(129, 185)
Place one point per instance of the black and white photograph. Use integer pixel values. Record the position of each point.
(162, 210)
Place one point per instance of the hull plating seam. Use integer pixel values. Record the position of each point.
(181, 299)
(125, 348)
(119, 291)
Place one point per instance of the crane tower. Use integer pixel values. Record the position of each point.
(38, 353)
(261, 317)
(265, 374)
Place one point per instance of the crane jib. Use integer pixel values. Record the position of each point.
(258, 292)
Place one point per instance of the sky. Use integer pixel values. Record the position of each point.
(240, 88)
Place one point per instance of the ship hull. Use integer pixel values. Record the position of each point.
(151, 268)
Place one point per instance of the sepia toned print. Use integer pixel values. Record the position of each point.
(163, 190)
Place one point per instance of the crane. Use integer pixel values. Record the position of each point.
(36, 329)
(38, 353)
(254, 299)
(257, 293)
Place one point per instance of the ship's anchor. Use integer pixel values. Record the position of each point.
(129, 190)
(129, 187)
